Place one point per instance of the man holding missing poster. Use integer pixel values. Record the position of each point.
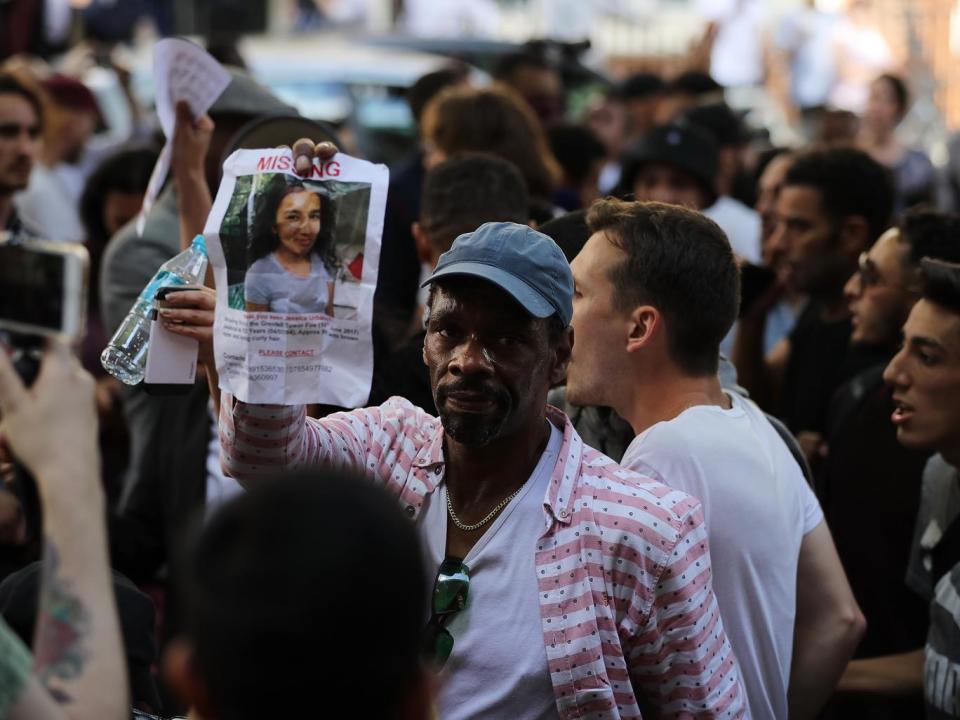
(565, 585)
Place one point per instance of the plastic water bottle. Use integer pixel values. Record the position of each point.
(126, 354)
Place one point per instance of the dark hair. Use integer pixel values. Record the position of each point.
(427, 86)
(930, 234)
(849, 182)
(679, 261)
(494, 120)
(467, 190)
(14, 84)
(900, 92)
(264, 238)
(308, 573)
(640, 85)
(511, 62)
(693, 82)
(569, 231)
(723, 124)
(576, 148)
(127, 171)
(764, 158)
(941, 283)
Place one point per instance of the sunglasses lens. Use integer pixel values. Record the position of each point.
(437, 645)
(442, 647)
(450, 590)
(449, 598)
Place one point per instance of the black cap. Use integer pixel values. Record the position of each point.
(679, 145)
(718, 119)
(640, 85)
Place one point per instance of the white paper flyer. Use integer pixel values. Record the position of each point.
(295, 262)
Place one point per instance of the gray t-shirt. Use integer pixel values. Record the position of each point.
(941, 666)
(269, 283)
(939, 507)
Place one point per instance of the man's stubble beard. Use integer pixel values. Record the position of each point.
(474, 429)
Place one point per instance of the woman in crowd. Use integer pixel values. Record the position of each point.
(913, 174)
(494, 120)
(292, 269)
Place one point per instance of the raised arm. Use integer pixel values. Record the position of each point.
(191, 143)
(682, 661)
(828, 625)
(257, 440)
(52, 430)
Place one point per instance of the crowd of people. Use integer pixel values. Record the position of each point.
(664, 422)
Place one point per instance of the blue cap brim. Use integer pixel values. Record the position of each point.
(531, 300)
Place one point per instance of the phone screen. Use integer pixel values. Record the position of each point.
(31, 288)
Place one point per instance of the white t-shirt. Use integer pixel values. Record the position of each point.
(498, 667)
(49, 205)
(736, 56)
(757, 508)
(741, 225)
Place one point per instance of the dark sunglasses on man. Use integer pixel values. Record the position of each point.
(449, 598)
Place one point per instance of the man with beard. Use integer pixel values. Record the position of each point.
(833, 204)
(20, 125)
(566, 585)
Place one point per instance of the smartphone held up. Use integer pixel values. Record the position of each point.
(43, 289)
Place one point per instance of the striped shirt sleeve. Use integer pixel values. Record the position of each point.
(681, 659)
(258, 440)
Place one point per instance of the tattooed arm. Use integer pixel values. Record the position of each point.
(52, 430)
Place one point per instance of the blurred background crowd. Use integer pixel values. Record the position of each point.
(703, 103)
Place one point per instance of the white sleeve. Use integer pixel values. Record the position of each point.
(812, 513)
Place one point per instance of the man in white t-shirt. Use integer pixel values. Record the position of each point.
(656, 289)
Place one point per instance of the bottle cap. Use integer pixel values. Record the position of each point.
(200, 244)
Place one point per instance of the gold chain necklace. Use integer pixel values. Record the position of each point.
(476, 526)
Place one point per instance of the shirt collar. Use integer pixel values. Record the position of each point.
(566, 471)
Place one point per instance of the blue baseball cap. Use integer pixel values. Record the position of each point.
(525, 263)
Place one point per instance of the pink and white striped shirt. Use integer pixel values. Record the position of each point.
(629, 617)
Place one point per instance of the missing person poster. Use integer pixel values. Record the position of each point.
(295, 263)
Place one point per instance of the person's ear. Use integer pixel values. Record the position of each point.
(854, 235)
(645, 322)
(425, 251)
(184, 680)
(561, 358)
